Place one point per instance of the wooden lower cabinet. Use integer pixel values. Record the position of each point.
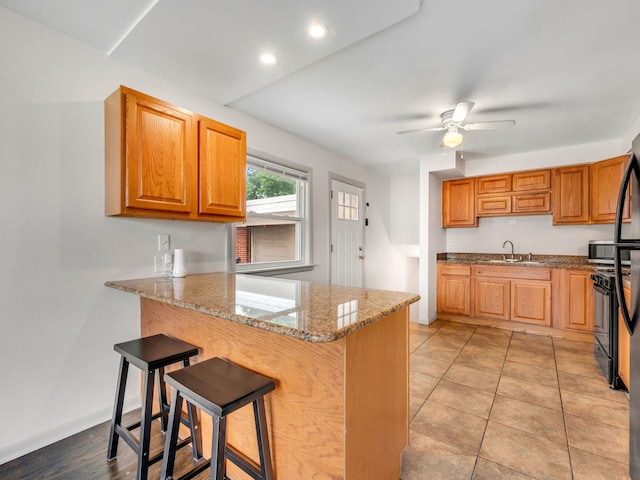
(513, 293)
(453, 290)
(558, 298)
(531, 301)
(492, 298)
(574, 303)
(624, 344)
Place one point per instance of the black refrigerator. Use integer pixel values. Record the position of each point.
(631, 315)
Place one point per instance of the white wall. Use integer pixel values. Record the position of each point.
(59, 322)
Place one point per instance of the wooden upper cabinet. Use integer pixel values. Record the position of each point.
(520, 193)
(494, 184)
(606, 177)
(531, 180)
(493, 206)
(458, 203)
(154, 156)
(223, 161)
(531, 203)
(571, 195)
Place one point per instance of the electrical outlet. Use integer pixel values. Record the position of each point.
(159, 264)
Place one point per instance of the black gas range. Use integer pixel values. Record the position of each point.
(605, 329)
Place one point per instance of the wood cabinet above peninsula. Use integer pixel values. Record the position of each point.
(164, 161)
(339, 357)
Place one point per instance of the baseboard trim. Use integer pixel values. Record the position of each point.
(519, 327)
(31, 444)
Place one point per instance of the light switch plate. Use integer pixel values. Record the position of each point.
(163, 243)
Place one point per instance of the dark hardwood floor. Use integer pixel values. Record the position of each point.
(84, 457)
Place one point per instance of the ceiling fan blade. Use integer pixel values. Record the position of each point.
(461, 111)
(489, 125)
(434, 129)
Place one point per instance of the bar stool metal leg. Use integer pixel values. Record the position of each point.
(145, 426)
(263, 438)
(218, 444)
(171, 438)
(117, 409)
(162, 399)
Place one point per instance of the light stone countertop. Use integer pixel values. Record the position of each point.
(304, 310)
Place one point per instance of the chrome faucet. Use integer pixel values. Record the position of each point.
(510, 243)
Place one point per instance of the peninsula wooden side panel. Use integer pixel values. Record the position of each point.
(339, 410)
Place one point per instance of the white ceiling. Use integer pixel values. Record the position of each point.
(568, 71)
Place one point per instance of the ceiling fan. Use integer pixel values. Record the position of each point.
(453, 121)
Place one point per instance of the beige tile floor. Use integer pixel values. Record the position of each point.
(491, 404)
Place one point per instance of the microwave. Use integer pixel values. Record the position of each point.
(601, 251)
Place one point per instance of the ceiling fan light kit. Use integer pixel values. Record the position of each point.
(452, 138)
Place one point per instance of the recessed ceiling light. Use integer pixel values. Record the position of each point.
(268, 58)
(318, 30)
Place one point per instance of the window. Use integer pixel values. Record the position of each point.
(276, 232)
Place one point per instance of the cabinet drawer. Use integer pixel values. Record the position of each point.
(530, 273)
(455, 269)
(494, 184)
(494, 205)
(534, 180)
(532, 203)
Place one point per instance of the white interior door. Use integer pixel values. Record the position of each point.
(347, 234)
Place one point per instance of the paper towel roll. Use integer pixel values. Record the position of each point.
(179, 269)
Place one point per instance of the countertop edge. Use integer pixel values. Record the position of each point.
(270, 327)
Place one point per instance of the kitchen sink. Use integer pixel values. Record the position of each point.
(508, 261)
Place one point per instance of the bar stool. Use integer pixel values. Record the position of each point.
(219, 388)
(151, 355)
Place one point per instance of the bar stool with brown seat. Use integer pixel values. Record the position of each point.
(151, 355)
(219, 387)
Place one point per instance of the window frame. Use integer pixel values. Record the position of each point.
(291, 171)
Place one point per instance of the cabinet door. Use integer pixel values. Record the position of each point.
(576, 297)
(160, 155)
(532, 203)
(494, 184)
(458, 203)
(532, 180)
(488, 206)
(606, 177)
(222, 161)
(571, 195)
(624, 345)
(454, 289)
(531, 301)
(492, 298)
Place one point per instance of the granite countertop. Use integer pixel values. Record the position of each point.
(304, 310)
(573, 262)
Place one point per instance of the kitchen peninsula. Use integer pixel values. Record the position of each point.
(339, 356)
